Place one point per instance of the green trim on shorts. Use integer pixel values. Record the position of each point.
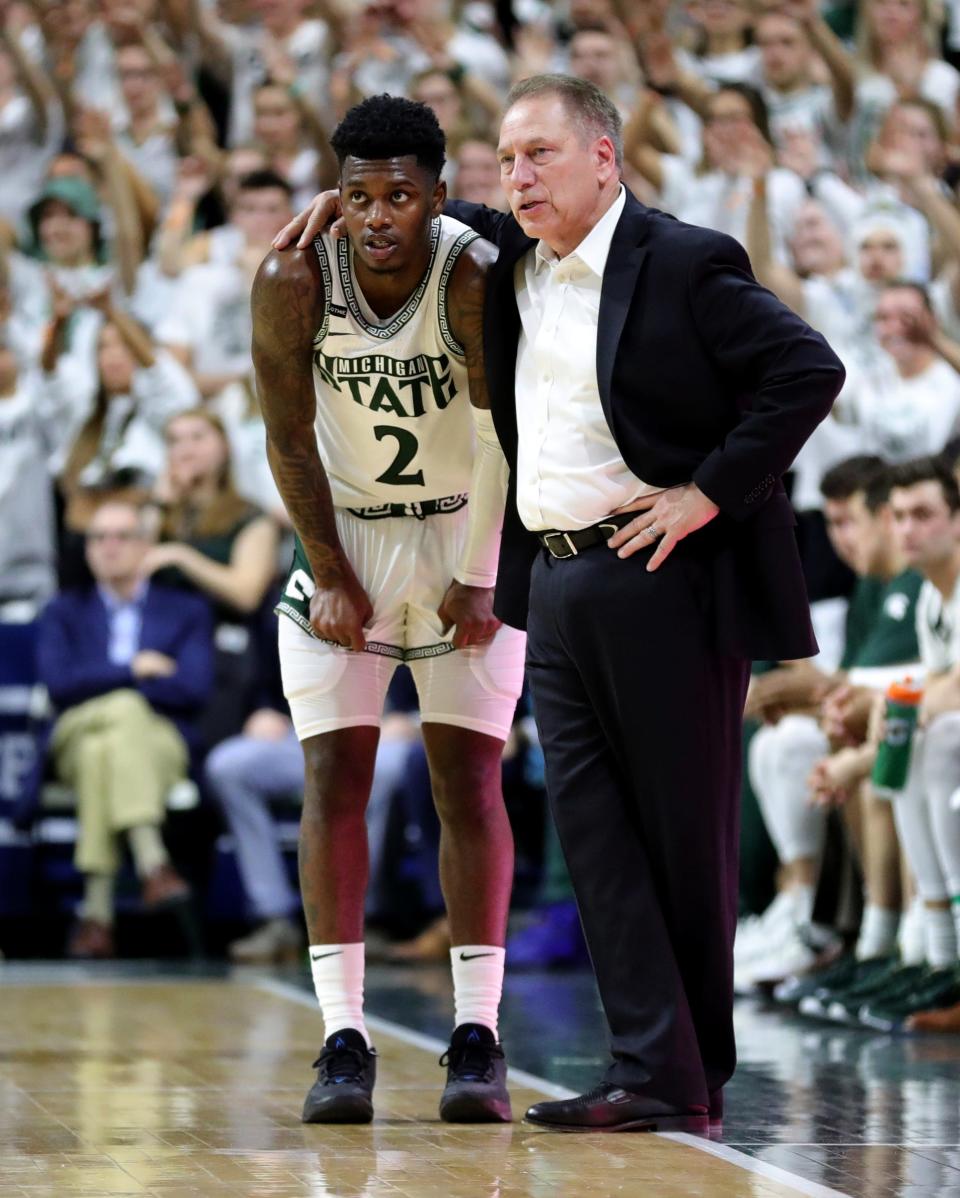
(295, 605)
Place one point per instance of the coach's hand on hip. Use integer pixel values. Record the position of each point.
(665, 518)
(470, 609)
(339, 611)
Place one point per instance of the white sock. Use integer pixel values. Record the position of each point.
(940, 937)
(477, 983)
(878, 932)
(912, 937)
(338, 981)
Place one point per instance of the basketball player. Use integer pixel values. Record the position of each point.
(369, 366)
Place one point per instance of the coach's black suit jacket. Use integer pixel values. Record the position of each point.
(704, 376)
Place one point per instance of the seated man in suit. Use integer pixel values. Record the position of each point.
(128, 665)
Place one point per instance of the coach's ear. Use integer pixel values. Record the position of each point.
(439, 198)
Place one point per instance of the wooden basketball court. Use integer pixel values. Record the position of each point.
(184, 1089)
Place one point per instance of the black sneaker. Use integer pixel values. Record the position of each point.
(476, 1089)
(939, 989)
(839, 972)
(343, 1091)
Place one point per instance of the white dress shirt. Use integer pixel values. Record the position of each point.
(569, 471)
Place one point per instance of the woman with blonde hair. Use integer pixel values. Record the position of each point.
(897, 47)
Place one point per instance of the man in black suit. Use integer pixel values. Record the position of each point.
(648, 394)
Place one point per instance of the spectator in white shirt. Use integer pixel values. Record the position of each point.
(724, 53)
(31, 122)
(598, 56)
(209, 329)
(907, 403)
(717, 193)
(897, 46)
(249, 56)
(146, 133)
(795, 98)
(119, 449)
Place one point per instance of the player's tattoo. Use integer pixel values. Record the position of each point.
(466, 298)
(288, 304)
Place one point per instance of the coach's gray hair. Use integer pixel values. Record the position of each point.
(585, 102)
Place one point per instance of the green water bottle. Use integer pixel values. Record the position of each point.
(900, 722)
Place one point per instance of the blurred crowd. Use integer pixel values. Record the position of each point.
(149, 152)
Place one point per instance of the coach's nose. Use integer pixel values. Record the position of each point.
(522, 174)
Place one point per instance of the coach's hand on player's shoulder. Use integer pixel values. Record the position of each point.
(470, 611)
(339, 611)
(311, 221)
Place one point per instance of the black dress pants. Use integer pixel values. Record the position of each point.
(640, 722)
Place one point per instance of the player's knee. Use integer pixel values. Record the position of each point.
(337, 777)
(468, 794)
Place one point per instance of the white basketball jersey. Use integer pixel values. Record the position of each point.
(393, 418)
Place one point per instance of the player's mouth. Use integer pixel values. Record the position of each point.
(380, 248)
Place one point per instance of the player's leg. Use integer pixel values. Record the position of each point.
(336, 697)
(467, 701)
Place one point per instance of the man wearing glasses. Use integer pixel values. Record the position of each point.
(128, 665)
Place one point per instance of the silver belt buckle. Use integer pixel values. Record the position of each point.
(565, 539)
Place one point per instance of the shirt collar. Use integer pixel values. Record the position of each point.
(595, 247)
(112, 601)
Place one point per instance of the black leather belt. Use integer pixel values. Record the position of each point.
(569, 544)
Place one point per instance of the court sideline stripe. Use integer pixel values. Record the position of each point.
(431, 1044)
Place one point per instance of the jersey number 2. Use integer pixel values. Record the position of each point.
(407, 447)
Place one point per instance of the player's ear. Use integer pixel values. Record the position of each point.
(439, 198)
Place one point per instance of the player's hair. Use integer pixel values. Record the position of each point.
(262, 180)
(593, 111)
(933, 469)
(865, 472)
(384, 126)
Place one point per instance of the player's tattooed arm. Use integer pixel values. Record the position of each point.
(468, 603)
(287, 303)
(465, 296)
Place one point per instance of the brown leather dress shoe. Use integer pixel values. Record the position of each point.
(163, 887)
(91, 940)
(610, 1108)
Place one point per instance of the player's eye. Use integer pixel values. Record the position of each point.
(357, 197)
(399, 197)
